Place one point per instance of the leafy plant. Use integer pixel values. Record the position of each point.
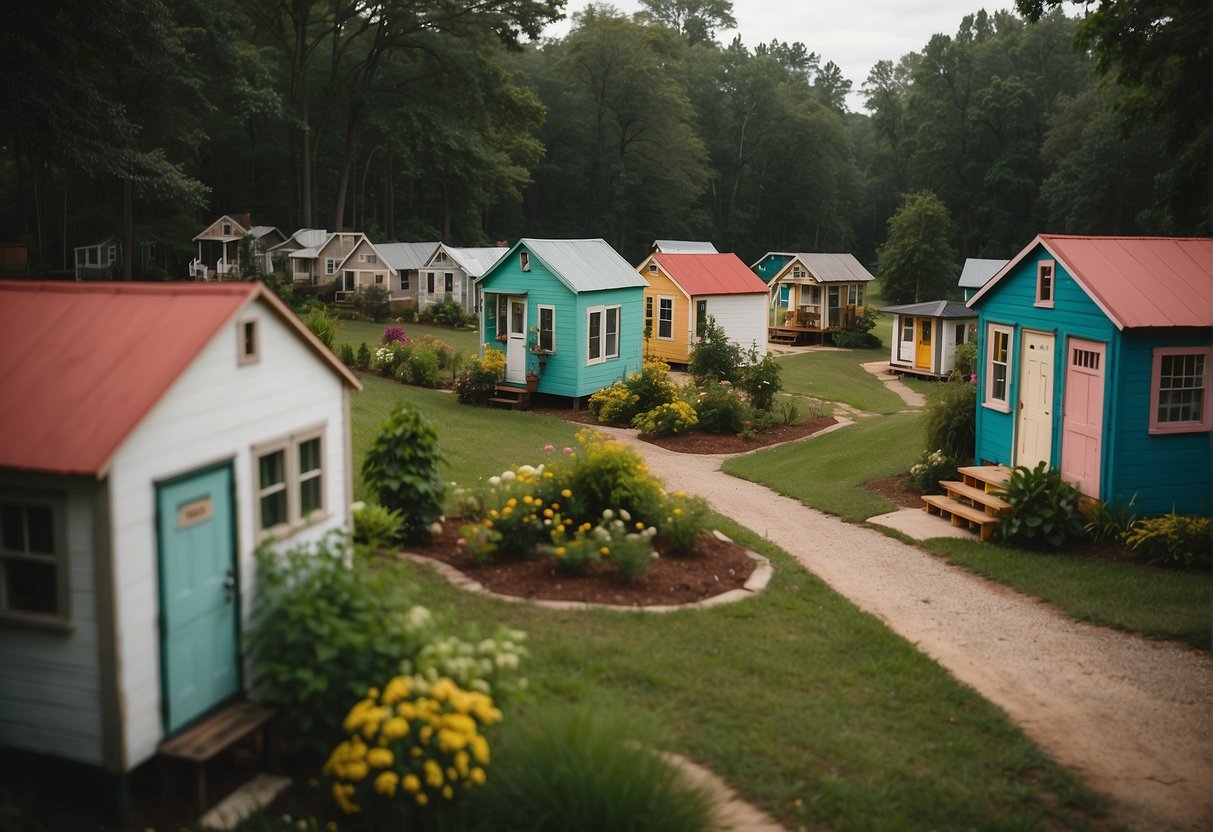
(371, 302)
(667, 419)
(760, 380)
(363, 358)
(446, 313)
(481, 541)
(966, 359)
(322, 323)
(395, 334)
(934, 466)
(615, 404)
(858, 333)
(720, 408)
(1110, 522)
(1181, 540)
(1044, 508)
(401, 467)
(715, 357)
(686, 519)
(950, 416)
(375, 526)
(346, 353)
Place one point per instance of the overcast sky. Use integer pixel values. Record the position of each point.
(853, 34)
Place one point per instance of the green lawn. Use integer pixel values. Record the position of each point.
(835, 375)
(357, 332)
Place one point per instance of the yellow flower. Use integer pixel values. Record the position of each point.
(560, 551)
(433, 774)
(511, 502)
(604, 550)
(528, 499)
(410, 783)
(397, 689)
(566, 493)
(677, 512)
(488, 524)
(462, 762)
(356, 771)
(480, 749)
(386, 782)
(547, 475)
(421, 798)
(448, 792)
(379, 757)
(477, 776)
(547, 512)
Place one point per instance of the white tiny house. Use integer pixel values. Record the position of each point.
(153, 435)
(926, 335)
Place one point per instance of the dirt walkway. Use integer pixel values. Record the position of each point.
(1130, 716)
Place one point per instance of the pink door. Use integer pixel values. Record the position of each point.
(1082, 416)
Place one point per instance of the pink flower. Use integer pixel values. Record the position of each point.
(548, 448)
(567, 449)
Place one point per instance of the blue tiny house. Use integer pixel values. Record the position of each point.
(571, 311)
(1094, 355)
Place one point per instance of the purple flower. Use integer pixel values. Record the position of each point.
(394, 334)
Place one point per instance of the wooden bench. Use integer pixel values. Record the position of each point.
(200, 743)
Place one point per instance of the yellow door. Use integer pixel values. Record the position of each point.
(922, 352)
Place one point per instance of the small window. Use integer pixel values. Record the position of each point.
(373, 259)
(94, 255)
(227, 229)
(797, 271)
(998, 367)
(448, 282)
(250, 347)
(404, 280)
(80, 257)
(602, 333)
(33, 559)
(330, 266)
(611, 346)
(652, 268)
(113, 254)
(429, 283)
(665, 318)
(1044, 283)
(960, 333)
(701, 318)
(859, 294)
(1180, 398)
(502, 311)
(593, 350)
(378, 280)
(547, 329)
(290, 482)
(524, 261)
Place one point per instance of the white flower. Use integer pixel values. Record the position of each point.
(623, 515)
(508, 476)
(494, 481)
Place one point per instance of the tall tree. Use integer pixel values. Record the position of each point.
(696, 20)
(917, 262)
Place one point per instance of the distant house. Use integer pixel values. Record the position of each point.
(279, 254)
(142, 460)
(99, 261)
(810, 294)
(569, 309)
(320, 265)
(926, 335)
(682, 247)
(685, 290)
(976, 273)
(406, 261)
(1094, 357)
(219, 248)
(362, 268)
(450, 273)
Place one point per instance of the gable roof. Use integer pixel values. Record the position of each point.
(831, 268)
(977, 271)
(582, 265)
(933, 309)
(304, 238)
(238, 230)
(710, 274)
(82, 364)
(683, 247)
(407, 256)
(474, 261)
(1136, 281)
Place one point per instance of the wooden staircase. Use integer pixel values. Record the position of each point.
(969, 503)
(511, 396)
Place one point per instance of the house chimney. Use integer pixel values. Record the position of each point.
(247, 220)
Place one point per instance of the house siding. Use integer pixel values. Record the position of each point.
(50, 680)
(216, 411)
(676, 349)
(742, 317)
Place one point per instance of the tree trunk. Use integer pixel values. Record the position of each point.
(128, 227)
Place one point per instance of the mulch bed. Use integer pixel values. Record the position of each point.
(714, 566)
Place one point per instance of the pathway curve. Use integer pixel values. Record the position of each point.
(1131, 716)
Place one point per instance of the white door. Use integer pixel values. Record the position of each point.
(1034, 426)
(515, 346)
(1082, 416)
(905, 347)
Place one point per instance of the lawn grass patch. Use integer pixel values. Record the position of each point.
(811, 709)
(465, 341)
(1156, 603)
(835, 375)
(829, 472)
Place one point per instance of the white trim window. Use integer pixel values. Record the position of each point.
(1046, 283)
(998, 367)
(330, 266)
(1180, 392)
(546, 340)
(33, 559)
(249, 344)
(602, 334)
(289, 476)
(665, 318)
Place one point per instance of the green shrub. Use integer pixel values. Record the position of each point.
(422, 368)
(615, 540)
(667, 419)
(858, 334)
(761, 381)
(614, 405)
(652, 385)
(401, 468)
(685, 520)
(950, 416)
(930, 469)
(561, 769)
(1181, 540)
(966, 360)
(446, 313)
(389, 358)
(346, 353)
(1110, 523)
(376, 527)
(1044, 508)
(603, 475)
(476, 383)
(720, 408)
(363, 359)
(323, 630)
(715, 357)
(322, 323)
(371, 302)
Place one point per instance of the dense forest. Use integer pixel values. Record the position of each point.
(438, 119)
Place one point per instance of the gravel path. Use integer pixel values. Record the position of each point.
(1130, 716)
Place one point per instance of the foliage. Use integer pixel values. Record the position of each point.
(480, 540)
(858, 333)
(687, 518)
(615, 404)
(346, 353)
(966, 360)
(629, 550)
(568, 768)
(715, 357)
(934, 466)
(476, 383)
(1044, 508)
(620, 403)
(487, 665)
(604, 475)
(666, 419)
(760, 380)
(401, 468)
(1181, 540)
(363, 358)
(720, 408)
(950, 416)
(1110, 523)
(395, 334)
(415, 744)
(447, 313)
(917, 262)
(375, 526)
(323, 629)
(371, 302)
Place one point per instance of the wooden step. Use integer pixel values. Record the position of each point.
(977, 496)
(961, 514)
(214, 734)
(512, 404)
(988, 477)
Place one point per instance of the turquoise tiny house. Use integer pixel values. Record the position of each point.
(1094, 355)
(569, 310)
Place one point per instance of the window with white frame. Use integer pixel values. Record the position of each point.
(249, 346)
(524, 261)
(602, 334)
(502, 314)
(665, 318)
(378, 280)
(429, 283)
(404, 279)
(448, 282)
(798, 271)
(1180, 393)
(330, 265)
(547, 328)
(372, 259)
(701, 318)
(227, 229)
(33, 558)
(648, 316)
(290, 481)
(652, 268)
(1045, 283)
(80, 256)
(998, 367)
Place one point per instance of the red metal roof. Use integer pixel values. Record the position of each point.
(711, 274)
(81, 364)
(1136, 281)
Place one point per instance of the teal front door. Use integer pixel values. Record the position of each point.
(198, 595)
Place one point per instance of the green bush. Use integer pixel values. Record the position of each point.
(363, 359)
(614, 405)
(620, 403)
(760, 380)
(667, 419)
(930, 469)
(446, 313)
(1107, 523)
(602, 475)
(715, 357)
(423, 367)
(323, 630)
(686, 519)
(371, 302)
(376, 527)
(322, 323)
(720, 408)
(1044, 508)
(858, 335)
(346, 353)
(966, 360)
(950, 416)
(559, 769)
(401, 468)
(476, 383)
(1181, 540)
